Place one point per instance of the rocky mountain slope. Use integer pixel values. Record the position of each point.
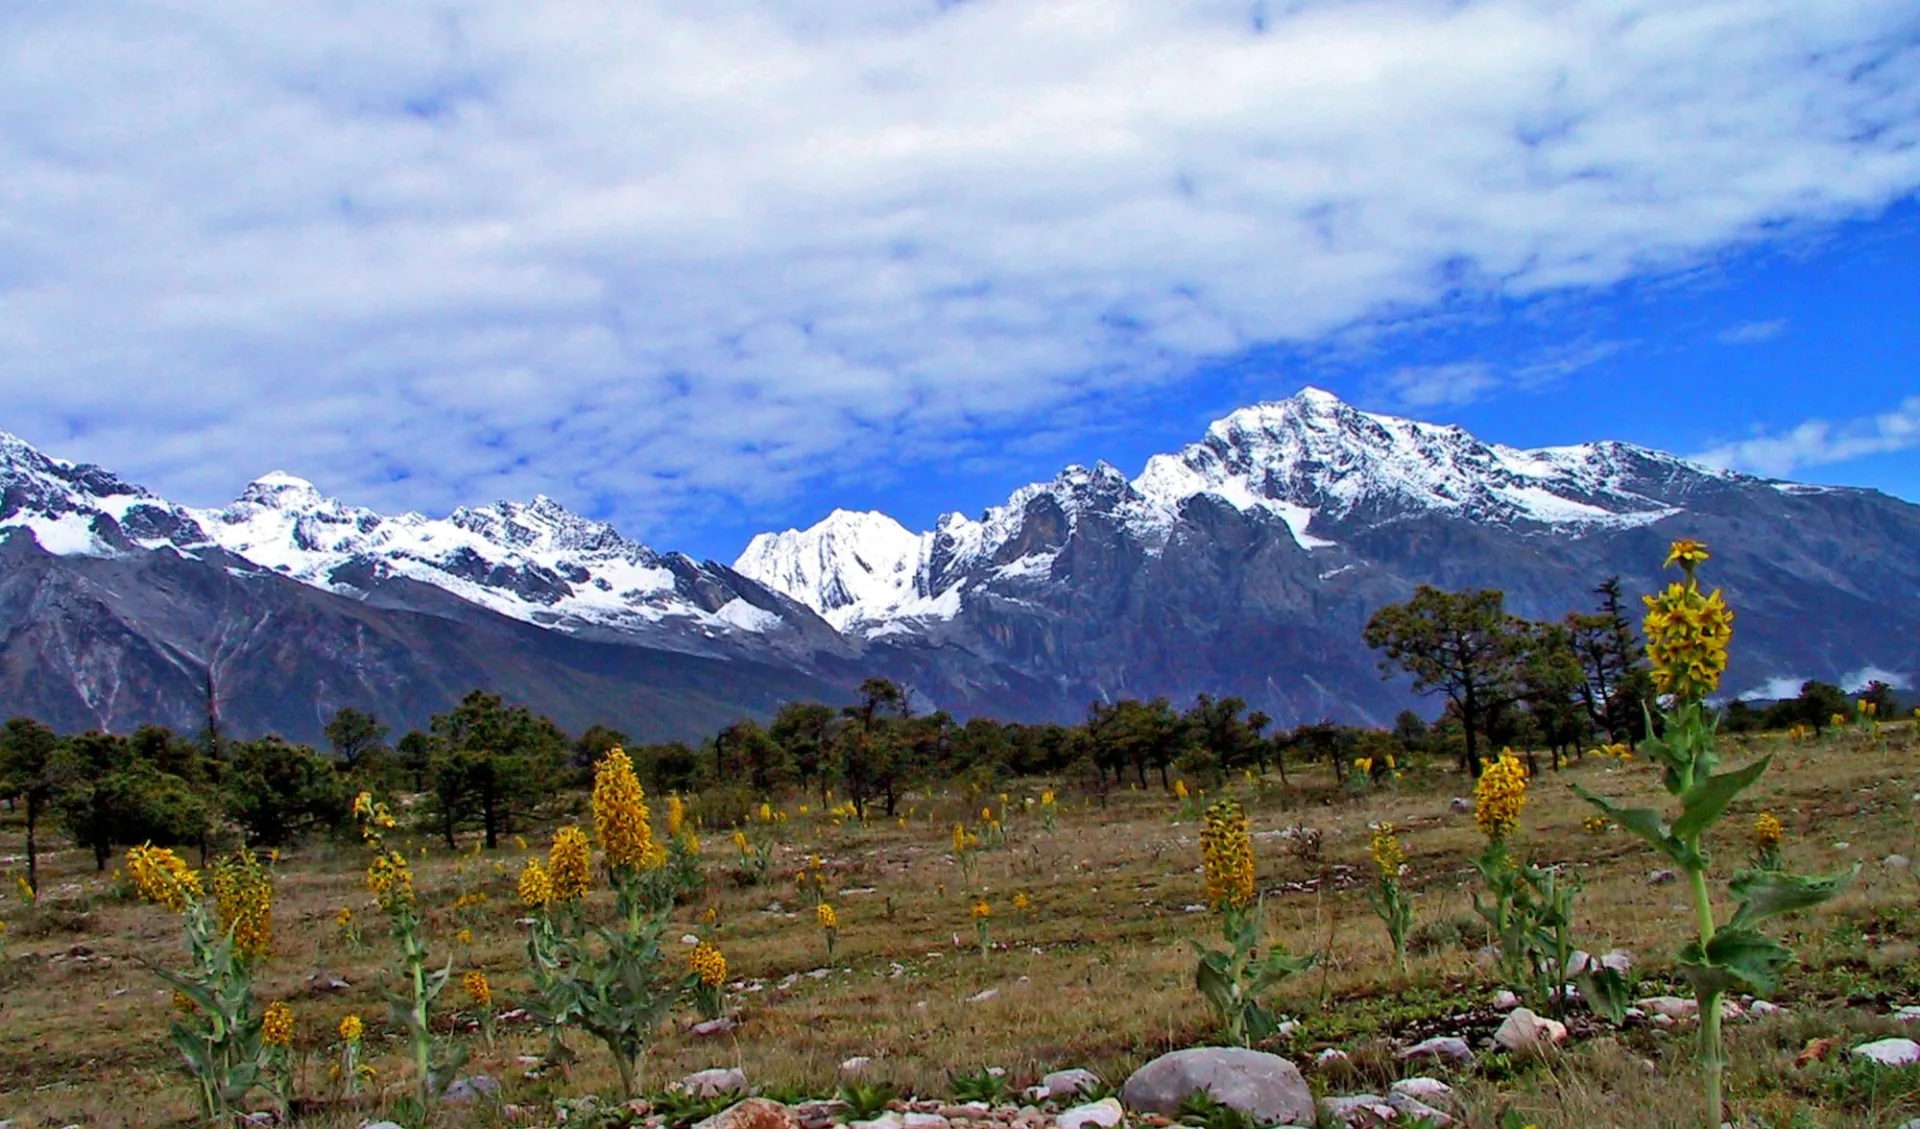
(1246, 563)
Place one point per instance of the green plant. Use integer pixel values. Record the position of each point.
(1199, 1108)
(1687, 637)
(682, 1107)
(1390, 903)
(982, 1085)
(411, 1007)
(866, 1100)
(1236, 982)
(218, 1032)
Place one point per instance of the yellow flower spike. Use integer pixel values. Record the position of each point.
(1767, 832)
(243, 894)
(1687, 554)
(828, 918)
(1046, 797)
(569, 865)
(1388, 855)
(464, 937)
(390, 881)
(536, 888)
(709, 964)
(1499, 796)
(1226, 851)
(351, 1029)
(276, 1025)
(1180, 789)
(676, 815)
(981, 910)
(620, 813)
(474, 983)
(164, 878)
(1021, 902)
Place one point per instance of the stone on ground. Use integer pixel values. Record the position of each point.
(713, 1083)
(1429, 1090)
(1890, 1052)
(1357, 1111)
(1265, 1087)
(462, 1091)
(1523, 1031)
(752, 1113)
(1062, 1084)
(1411, 1108)
(1105, 1114)
(1450, 1048)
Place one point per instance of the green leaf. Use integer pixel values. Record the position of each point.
(1737, 956)
(1709, 797)
(1605, 991)
(1646, 823)
(1766, 893)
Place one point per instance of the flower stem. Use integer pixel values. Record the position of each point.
(1712, 1058)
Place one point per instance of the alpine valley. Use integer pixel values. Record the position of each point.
(1245, 564)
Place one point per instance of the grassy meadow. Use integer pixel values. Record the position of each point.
(1095, 971)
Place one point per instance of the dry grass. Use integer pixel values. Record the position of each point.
(1097, 973)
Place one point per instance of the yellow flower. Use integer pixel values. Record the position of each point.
(536, 889)
(676, 816)
(1363, 766)
(243, 891)
(1021, 902)
(1227, 852)
(1500, 795)
(276, 1025)
(474, 983)
(183, 1003)
(1687, 632)
(163, 878)
(981, 910)
(1046, 798)
(1767, 832)
(391, 882)
(710, 915)
(1837, 720)
(709, 964)
(620, 814)
(1595, 824)
(464, 937)
(1388, 855)
(654, 857)
(569, 865)
(1685, 553)
(351, 1029)
(766, 813)
(344, 919)
(828, 918)
(960, 838)
(740, 841)
(1180, 789)
(520, 843)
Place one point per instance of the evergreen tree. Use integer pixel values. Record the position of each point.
(1460, 644)
(493, 762)
(27, 751)
(355, 737)
(1617, 686)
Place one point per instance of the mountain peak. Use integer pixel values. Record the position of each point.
(282, 491)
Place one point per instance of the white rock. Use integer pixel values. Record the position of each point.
(1105, 1113)
(713, 1083)
(1063, 1084)
(1673, 1007)
(1620, 960)
(1356, 1110)
(689, 938)
(1661, 877)
(1890, 1052)
(983, 996)
(1908, 1014)
(855, 1067)
(1504, 1000)
(1842, 845)
(887, 1120)
(1896, 862)
(1430, 1090)
(925, 1121)
(1330, 1056)
(1524, 1031)
(1413, 1109)
(1764, 1007)
(1450, 1047)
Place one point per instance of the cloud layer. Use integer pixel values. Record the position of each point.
(1818, 442)
(651, 255)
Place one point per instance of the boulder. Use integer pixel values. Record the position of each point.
(887, 1120)
(1063, 1084)
(713, 1083)
(1330, 1057)
(465, 1091)
(1620, 960)
(1265, 1087)
(1449, 1048)
(1461, 806)
(1411, 1108)
(1503, 1000)
(855, 1068)
(1673, 1007)
(1662, 877)
(1356, 1111)
(1889, 1052)
(1103, 1114)
(1525, 1032)
(1430, 1090)
(752, 1113)
(925, 1121)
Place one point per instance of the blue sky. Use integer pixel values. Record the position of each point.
(710, 269)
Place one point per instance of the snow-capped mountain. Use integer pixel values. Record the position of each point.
(536, 561)
(1321, 467)
(1246, 563)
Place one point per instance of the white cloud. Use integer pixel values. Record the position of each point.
(648, 254)
(1817, 442)
(1420, 387)
(1753, 332)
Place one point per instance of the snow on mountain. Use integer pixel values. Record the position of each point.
(1321, 466)
(849, 564)
(75, 509)
(536, 561)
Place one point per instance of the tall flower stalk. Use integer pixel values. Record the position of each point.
(1688, 632)
(1390, 902)
(1236, 981)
